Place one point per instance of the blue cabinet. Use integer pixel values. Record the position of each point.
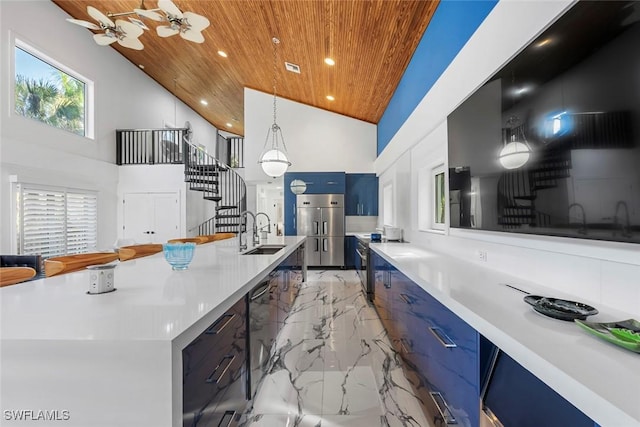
(350, 247)
(361, 197)
(438, 347)
(445, 359)
(317, 183)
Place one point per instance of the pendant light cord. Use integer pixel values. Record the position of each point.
(276, 42)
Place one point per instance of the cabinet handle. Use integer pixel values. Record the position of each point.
(316, 227)
(406, 346)
(317, 245)
(210, 379)
(442, 337)
(325, 245)
(386, 279)
(232, 415)
(264, 291)
(324, 227)
(443, 408)
(407, 299)
(212, 329)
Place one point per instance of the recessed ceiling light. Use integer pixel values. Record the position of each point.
(329, 61)
(544, 42)
(222, 53)
(141, 66)
(330, 98)
(204, 102)
(229, 125)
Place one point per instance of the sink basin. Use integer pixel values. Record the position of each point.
(264, 250)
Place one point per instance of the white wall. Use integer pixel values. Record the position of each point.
(604, 273)
(317, 140)
(125, 98)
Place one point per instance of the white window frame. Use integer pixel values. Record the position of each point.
(65, 235)
(89, 95)
(427, 198)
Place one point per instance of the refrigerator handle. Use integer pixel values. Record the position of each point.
(324, 228)
(315, 227)
(317, 244)
(325, 246)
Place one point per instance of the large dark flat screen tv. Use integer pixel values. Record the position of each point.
(551, 143)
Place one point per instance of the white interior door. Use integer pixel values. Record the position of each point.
(151, 217)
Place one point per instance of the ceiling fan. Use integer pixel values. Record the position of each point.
(123, 32)
(188, 24)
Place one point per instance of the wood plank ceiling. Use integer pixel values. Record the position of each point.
(371, 42)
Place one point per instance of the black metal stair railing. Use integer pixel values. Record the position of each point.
(219, 183)
(149, 146)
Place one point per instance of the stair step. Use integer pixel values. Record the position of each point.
(213, 198)
(521, 216)
(201, 181)
(206, 189)
(227, 216)
(233, 224)
(530, 197)
(224, 207)
(518, 207)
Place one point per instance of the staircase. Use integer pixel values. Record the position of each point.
(518, 190)
(217, 181)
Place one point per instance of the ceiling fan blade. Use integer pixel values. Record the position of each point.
(99, 16)
(131, 43)
(103, 39)
(166, 31)
(129, 28)
(86, 24)
(169, 7)
(197, 22)
(150, 14)
(192, 36)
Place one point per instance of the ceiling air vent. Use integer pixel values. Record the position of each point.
(292, 67)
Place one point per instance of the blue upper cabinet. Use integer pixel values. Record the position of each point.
(361, 197)
(317, 183)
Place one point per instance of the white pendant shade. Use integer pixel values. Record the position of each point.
(274, 163)
(514, 155)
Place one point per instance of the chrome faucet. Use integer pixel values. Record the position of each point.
(268, 221)
(583, 228)
(243, 222)
(626, 228)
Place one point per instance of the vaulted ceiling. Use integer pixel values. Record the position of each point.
(371, 42)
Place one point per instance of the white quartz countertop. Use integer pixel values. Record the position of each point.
(152, 302)
(599, 378)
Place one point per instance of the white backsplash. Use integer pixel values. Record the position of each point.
(365, 224)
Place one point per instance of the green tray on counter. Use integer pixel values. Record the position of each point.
(624, 333)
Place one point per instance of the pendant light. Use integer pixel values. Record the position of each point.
(516, 152)
(274, 159)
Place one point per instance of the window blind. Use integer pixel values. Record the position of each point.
(54, 222)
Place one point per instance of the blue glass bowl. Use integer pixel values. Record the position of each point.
(179, 255)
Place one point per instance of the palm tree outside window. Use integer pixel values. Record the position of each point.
(45, 93)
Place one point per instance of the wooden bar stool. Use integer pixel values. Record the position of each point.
(13, 275)
(138, 251)
(70, 263)
(218, 236)
(197, 240)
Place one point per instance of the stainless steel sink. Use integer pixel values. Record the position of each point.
(264, 250)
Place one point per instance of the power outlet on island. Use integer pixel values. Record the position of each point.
(482, 256)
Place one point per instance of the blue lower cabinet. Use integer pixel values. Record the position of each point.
(518, 398)
(214, 371)
(440, 350)
(350, 246)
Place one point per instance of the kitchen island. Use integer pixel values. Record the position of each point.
(115, 359)
(599, 378)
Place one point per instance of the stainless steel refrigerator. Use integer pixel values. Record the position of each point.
(320, 217)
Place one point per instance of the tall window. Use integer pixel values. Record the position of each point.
(53, 222)
(46, 93)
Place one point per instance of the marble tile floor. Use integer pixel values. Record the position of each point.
(333, 364)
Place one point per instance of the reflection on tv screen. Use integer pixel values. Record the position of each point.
(550, 145)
